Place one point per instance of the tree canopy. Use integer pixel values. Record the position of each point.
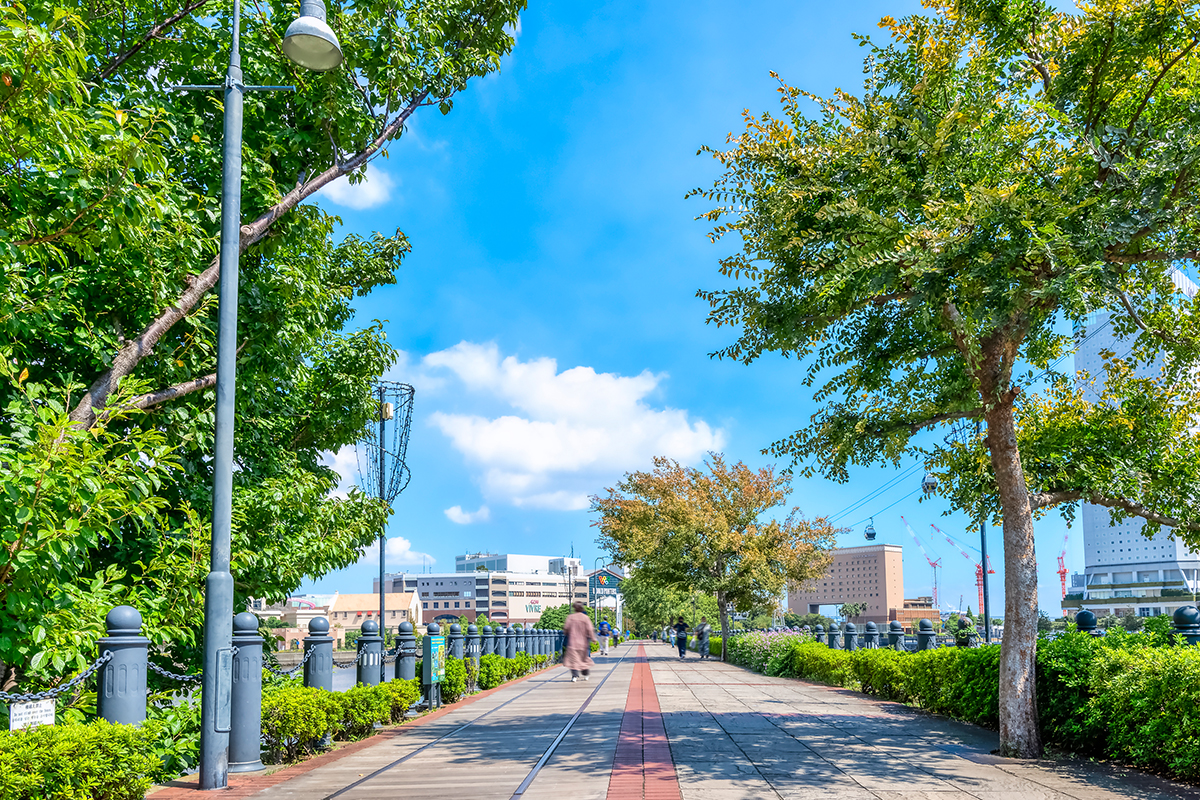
(710, 531)
(109, 230)
(1007, 168)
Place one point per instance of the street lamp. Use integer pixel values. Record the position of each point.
(309, 43)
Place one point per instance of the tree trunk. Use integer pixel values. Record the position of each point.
(1020, 736)
(724, 623)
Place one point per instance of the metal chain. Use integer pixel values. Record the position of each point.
(357, 658)
(17, 697)
(286, 672)
(172, 675)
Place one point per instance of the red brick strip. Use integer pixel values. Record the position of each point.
(245, 786)
(642, 766)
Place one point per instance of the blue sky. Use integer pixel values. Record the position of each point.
(547, 314)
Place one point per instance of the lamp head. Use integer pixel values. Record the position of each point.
(310, 42)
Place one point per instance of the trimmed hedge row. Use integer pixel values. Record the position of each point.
(1131, 697)
(99, 761)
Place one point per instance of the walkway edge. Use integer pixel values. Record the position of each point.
(252, 784)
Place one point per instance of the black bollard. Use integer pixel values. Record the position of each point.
(318, 669)
(245, 733)
(121, 684)
(370, 654)
(406, 657)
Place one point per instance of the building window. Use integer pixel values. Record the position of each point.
(468, 602)
(456, 605)
(424, 605)
(435, 605)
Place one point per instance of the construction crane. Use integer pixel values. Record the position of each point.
(1062, 565)
(932, 564)
(978, 566)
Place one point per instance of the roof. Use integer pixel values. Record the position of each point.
(370, 602)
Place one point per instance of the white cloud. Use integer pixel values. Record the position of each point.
(457, 515)
(398, 552)
(374, 190)
(570, 434)
(345, 464)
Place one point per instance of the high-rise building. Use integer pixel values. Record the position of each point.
(873, 574)
(1124, 571)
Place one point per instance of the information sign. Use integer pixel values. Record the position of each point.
(433, 663)
(30, 715)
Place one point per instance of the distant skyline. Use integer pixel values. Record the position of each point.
(547, 315)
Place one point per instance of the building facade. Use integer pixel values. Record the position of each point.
(1125, 572)
(514, 562)
(873, 574)
(504, 597)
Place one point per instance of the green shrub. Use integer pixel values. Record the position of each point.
(78, 762)
(493, 671)
(362, 707)
(1064, 668)
(1148, 701)
(882, 673)
(816, 662)
(176, 742)
(454, 685)
(295, 718)
(403, 695)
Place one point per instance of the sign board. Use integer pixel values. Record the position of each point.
(433, 663)
(30, 715)
(604, 584)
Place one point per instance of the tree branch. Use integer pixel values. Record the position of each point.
(1150, 93)
(172, 392)
(116, 63)
(131, 354)
(1039, 500)
(1137, 320)
(1152, 255)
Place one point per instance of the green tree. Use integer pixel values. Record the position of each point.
(708, 531)
(651, 606)
(109, 222)
(1006, 167)
(810, 621)
(851, 610)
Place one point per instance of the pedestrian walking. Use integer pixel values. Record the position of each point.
(605, 631)
(703, 631)
(579, 633)
(681, 638)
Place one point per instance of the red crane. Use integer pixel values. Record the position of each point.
(933, 564)
(1062, 566)
(978, 566)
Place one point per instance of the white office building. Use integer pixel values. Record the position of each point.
(1125, 572)
(513, 562)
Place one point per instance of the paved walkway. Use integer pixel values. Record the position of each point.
(650, 726)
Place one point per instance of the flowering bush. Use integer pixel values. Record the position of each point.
(767, 653)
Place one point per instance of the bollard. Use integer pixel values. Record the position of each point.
(819, 633)
(560, 644)
(406, 657)
(871, 636)
(1186, 623)
(535, 642)
(835, 637)
(510, 642)
(245, 734)
(895, 634)
(455, 641)
(121, 684)
(487, 641)
(851, 636)
(519, 631)
(1086, 622)
(473, 651)
(318, 670)
(925, 635)
(965, 635)
(370, 654)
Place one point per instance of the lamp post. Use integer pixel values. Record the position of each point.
(310, 43)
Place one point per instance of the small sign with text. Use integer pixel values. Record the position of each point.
(30, 715)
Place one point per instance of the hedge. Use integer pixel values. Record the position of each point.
(96, 761)
(99, 761)
(1132, 697)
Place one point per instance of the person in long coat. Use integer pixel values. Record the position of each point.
(579, 633)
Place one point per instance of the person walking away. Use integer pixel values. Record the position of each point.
(703, 631)
(579, 633)
(605, 631)
(681, 638)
